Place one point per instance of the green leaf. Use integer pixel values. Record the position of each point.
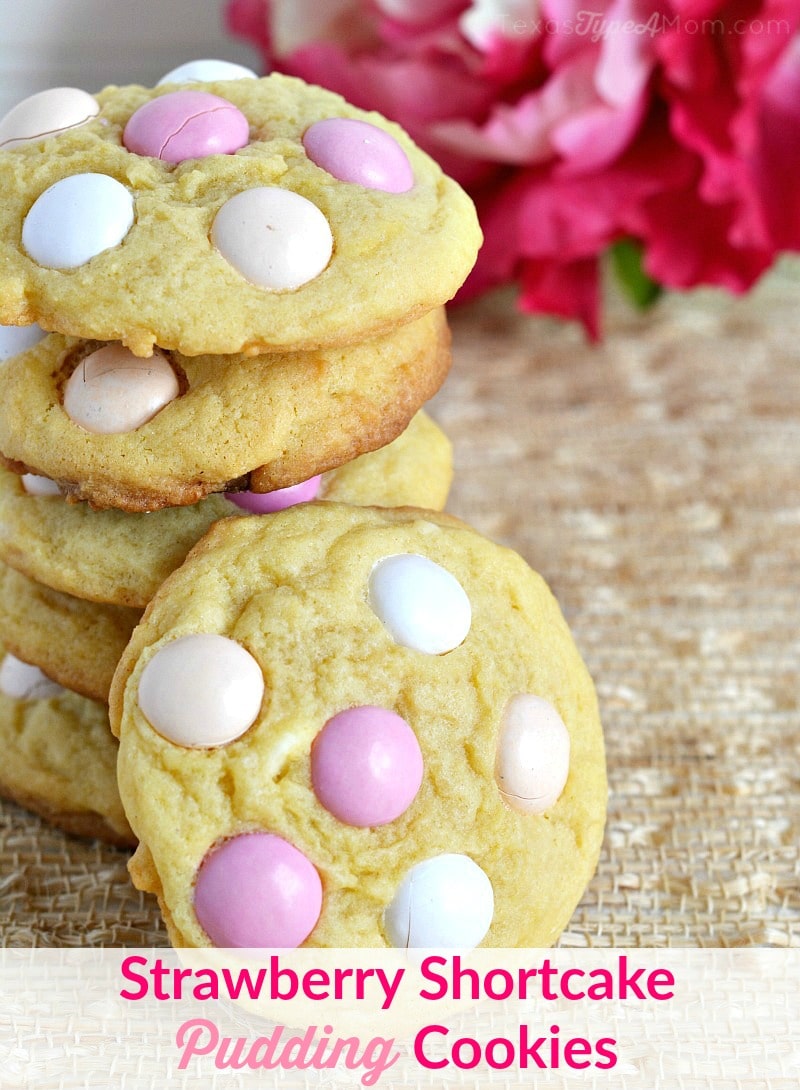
(626, 261)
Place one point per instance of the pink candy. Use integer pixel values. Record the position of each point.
(357, 152)
(266, 503)
(366, 766)
(186, 125)
(257, 890)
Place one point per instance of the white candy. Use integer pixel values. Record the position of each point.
(201, 690)
(421, 603)
(22, 681)
(207, 71)
(46, 114)
(445, 902)
(18, 338)
(273, 237)
(76, 219)
(532, 762)
(35, 485)
(112, 391)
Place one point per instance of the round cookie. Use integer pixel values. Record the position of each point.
(218, 218)
(76, 643)
(59, 757)
(288, 416)
(122, 557)
(398, 635)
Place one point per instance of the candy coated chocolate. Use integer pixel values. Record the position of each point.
(46, 114)
(444, 902)
(366, 766)
(21, 681)
(36, 485)
(201, 690)
(18, 338)
(273, 237)
(112, 391)
(532, 761)
(76, 219)
(421, 603)
(266, 503)
(257, 890)
(355, 151)
(186, 125)
(207, 70)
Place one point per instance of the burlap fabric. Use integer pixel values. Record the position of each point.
(655, 482)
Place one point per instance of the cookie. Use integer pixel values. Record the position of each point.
(122, 558)
(246, 216)
(59, 756)
(414, 738)
(290, 417)
(76, 643)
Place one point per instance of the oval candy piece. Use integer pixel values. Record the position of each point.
(257, 890)
(76, 219)
(21, 681)
(366, 766)
(266, 503)
(445, 902)
(423, 606)
(532, 760)
(36, 485)
(18, 338)
(273, 237)
(207, 70)
(201, 690)
(112, 391)
(186, 125)
(46, 114)
(357, 152)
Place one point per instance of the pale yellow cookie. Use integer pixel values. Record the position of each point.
(155, 257)
(289, 416)
(59, 756)
(76, 643)
(122, 557)
(380, 703)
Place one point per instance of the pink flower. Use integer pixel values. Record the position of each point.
(672, 121)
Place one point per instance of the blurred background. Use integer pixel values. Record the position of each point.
(90, 43)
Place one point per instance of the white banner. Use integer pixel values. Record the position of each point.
(611, 1019)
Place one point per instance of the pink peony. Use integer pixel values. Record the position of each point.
(675, 122)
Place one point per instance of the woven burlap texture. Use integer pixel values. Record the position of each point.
(654, 480)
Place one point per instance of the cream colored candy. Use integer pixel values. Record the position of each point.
(35, 485)
(275, 238)
(113, 391)
(532, 762)
(201, 690)
(421, 603)
(21, 681)
(45, 114)
(445, 902)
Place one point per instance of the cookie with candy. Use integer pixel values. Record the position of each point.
(242, 216)
(351, 726)
(141, 434)
(75, 642)
(123, 557)
(59, 757)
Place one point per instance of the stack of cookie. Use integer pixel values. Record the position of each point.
(232, 274)
(246, 279)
